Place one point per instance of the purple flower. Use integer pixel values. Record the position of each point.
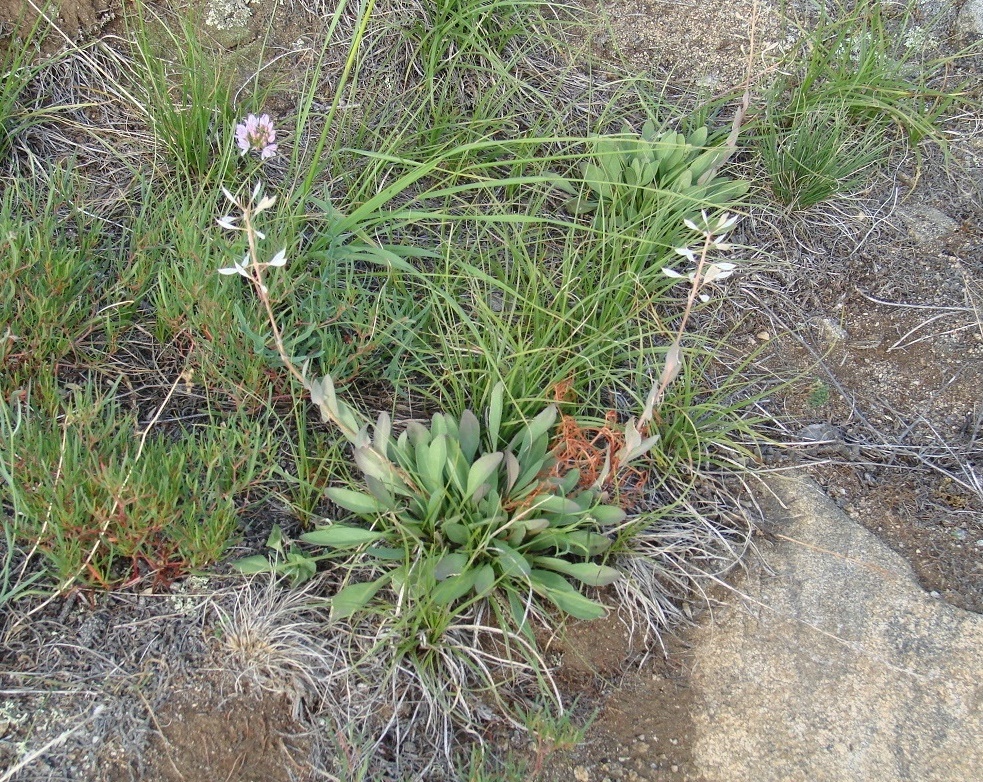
(257, 133)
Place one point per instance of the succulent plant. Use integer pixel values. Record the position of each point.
(452, 516)
(633, 175)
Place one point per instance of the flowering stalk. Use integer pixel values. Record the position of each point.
(251, 267)
(713, 236)
(322, 392)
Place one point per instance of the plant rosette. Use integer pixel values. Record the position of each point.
(452, 518)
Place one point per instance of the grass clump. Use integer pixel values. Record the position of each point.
(858, 83)
(185, 93)
(18, 66)
(814, 156)
(51, 288)
(106, 503)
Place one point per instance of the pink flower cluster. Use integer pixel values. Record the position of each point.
(257, 133)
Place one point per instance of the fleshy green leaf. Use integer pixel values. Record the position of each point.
(372, 463)
(385, 553)
(575, 604)
(484, 580)
(435, 462)
(481, 471)
(453, 588)
(512, 563)
(354, 598)
(586, 572)
(470, 435)
(553, 503)
(540, 425)
(536, 525)
(566, 484)
(512, 470)
(450, 565)
(456, 533)
(418, 434)
(254, 564)
(561, 592)
(587, 544)
(381, 492)
(380, 437)
(355, 501)
(340, 536)
(608, 515)
(275, 540)
(495, 405)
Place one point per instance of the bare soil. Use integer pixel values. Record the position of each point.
(204, 735)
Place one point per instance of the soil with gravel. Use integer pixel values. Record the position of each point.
(874, 305)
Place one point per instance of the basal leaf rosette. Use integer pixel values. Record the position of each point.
(451, 517)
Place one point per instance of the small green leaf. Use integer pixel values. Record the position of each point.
(435, 463)
(536, 525)
(340, 536)
(580, 205)
(298, 566)
(381, 492)
(450, 565)
(373, 465)
(561, 592)
(511, 471)
(456, 533)
(698, 137)
(568, 482)
(587, 544)
(527, 478)
(608, 515)
(553, 503)
(481, 471)
(575, 604)
(355, 501)
(457, 467)
(707, 160)
(512, 563)
(254, 564)
(547, 579)
(354, 597)
(480, 493)
(455, 587)
(380, 437)
(540, 425)
(495, 414)
(470, 435)
(275, 540)
(586, 572)
(418, 433)
(385, 553)
(484, 580)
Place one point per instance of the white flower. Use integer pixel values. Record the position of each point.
(718, 271)
(723, 225)
(237, 268)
